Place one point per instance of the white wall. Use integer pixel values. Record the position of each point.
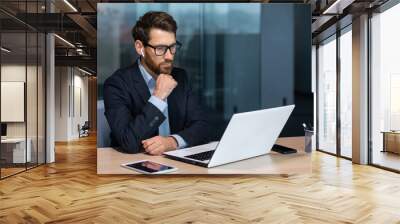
(14, 73)
(17, 73)
(80, 89)
(61, 103)
(71, 94)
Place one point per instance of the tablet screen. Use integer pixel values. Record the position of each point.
(148, 166)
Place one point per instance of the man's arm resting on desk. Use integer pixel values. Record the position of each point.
(162, 106)
(171, 142)
(157, 145)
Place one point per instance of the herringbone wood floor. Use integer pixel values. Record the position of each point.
(69, 191)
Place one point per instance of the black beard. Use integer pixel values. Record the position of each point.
(157, 69)
(165, 70)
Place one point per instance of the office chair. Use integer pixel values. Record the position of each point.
(84, 130)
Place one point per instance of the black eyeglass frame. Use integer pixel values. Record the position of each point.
(164, 48)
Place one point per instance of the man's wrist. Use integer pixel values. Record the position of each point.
(174, 142)
(159, 103)
(158, 95)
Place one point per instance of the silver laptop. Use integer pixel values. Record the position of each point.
(248, 135)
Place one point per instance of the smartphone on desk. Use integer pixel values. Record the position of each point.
(149, 167)
(283, 149)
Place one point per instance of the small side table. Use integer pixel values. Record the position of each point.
(13, 150)
(391, 141)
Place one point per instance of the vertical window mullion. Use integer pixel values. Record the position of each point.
(316, 125)
(26, 86)
(338, 76)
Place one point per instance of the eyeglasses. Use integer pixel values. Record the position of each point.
(160, 50)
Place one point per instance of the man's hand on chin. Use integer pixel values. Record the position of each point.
(159, 144)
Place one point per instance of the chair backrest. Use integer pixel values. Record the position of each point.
(103, 129)
(86, 125)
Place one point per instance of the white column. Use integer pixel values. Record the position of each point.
(50, 99)
(50, 92)
(360, 90)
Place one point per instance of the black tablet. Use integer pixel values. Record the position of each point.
(149, 167)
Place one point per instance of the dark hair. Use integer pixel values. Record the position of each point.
(153, 19)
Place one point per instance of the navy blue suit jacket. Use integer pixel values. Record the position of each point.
(132, 118)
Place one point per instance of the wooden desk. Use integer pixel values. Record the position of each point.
(109, 161)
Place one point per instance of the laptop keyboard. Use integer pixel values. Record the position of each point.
(202, 156)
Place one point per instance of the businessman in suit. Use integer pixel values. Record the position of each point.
(149, 105)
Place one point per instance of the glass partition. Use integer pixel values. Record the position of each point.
(31, 97)
(13, 94)
(346, 92)
(41, 97)
(22, 87)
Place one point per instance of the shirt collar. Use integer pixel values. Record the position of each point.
(147, 77)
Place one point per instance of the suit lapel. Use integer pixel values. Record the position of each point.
(139, 83)
(172, 110)
(173, 99)
(176, 106)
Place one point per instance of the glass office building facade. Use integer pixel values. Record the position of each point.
(327, 79)
(345, 109)
(22, 77)
(334, 90)
(334, 77)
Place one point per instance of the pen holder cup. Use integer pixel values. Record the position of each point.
(308, 140)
